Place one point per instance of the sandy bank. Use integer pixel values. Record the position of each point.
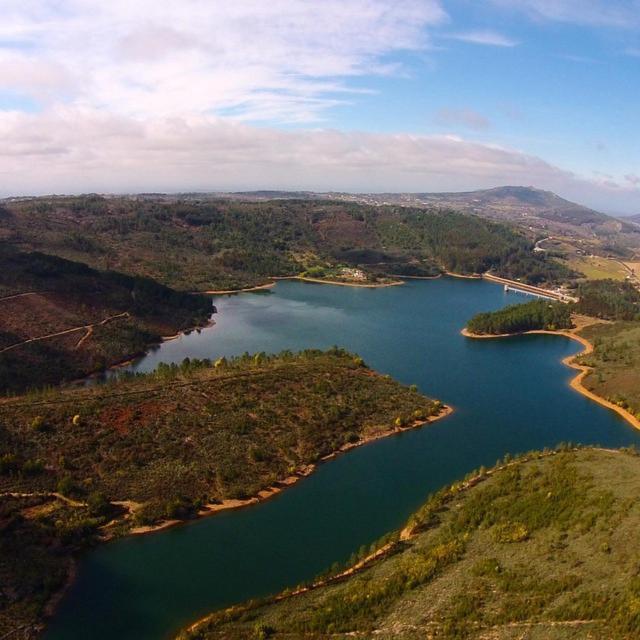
(372, 285)
(570, 361)
(275, 279)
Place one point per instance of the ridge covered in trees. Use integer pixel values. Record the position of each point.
(224, 244)
(609, 300)
(517, 318)
(61, 320)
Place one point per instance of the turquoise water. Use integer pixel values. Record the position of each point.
(509, 396)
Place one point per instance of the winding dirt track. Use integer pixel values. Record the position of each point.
(85, 327)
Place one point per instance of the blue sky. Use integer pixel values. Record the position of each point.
(354, 95)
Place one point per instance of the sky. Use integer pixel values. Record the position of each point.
(326, 95)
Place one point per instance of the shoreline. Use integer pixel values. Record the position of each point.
(276, 279)
(404, 534)
(340, 283)
(224, 292)
(280, 486)
(570, 361)
(212, 509)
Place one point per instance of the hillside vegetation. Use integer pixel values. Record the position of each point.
(534, 211)
(60, 320)
(199, 432)
(210, 244)
(162, 446)
(609, 300)
(615, 362)
(543, 548)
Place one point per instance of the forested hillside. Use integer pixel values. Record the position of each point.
(529, 316)
(223, 244)
(609, 300)
(60, 320)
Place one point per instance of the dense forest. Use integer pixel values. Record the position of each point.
(92, 318)
(223, 244)
(609, 300)
(169, 443)
(529, 316)
(535, 548)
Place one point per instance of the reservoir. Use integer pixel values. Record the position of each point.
(509, 396)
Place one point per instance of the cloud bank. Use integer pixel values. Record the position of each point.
(128, 96)
(278, 60)
(102, 152)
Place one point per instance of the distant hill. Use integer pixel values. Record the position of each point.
(530, 208)
(534, 210)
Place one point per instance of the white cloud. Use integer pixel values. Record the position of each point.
(287, 59)
(485, 37)
(79, 150)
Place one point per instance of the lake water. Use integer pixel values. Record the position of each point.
(509, 396)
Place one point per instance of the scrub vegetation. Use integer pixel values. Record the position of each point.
(199, 432)
(541, 546)
(169, 445)
(616, 363)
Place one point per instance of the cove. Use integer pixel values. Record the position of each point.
(509, 396)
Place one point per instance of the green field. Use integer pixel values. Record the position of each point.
(540, 549)
(597, 268)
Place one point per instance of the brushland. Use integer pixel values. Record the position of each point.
(207, 244)
(541, 547)
(61, 320)
(614, 363)
(80, 465)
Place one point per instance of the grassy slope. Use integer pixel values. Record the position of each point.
(543, 549)
(597, 268)
(616, 363)
(64, 295)
(231, 244)
(187, 435)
